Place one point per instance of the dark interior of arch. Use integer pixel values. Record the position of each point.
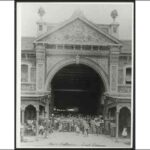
(78, 86)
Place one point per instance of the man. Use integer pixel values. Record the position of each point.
(97, 127)
(93, 129)
(41, 129)
(46, 127)
(86, 127)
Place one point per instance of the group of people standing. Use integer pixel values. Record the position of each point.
(73, 123)
(79, 124)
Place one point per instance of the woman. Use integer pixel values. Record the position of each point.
(124, 132)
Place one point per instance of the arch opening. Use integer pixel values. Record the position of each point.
(30, 113)
(125, 121)
(77, 88)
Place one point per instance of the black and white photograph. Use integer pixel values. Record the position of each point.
(75, 66)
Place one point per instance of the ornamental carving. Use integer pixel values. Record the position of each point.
(103, 62)
(120, 76)
(40, 56)
(113, 78)
(27, 87)
(40, 76)
(124, 89)
(114, 59)
(51, 61)
(77, 32)
(124, 60)
(120, 106)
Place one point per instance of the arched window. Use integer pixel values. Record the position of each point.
(128, 75)
(24, 73)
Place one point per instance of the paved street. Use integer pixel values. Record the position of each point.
(65, 139)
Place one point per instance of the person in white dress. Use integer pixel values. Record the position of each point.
(124, 132)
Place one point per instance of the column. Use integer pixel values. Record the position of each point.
(22, 125)
(37, 121)
(114, 57)
(47, 108)
(40, 67)
(22, 122)
(117, 124)
(51, 102)
(29, 72)
(22, 116)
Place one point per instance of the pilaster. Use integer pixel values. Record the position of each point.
(117, 124)
(40, 67)
(114, 58)
(22, 113)
(37, 120)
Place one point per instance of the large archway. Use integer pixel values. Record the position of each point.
(78, 87)
(68, 61)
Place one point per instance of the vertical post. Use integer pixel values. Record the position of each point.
(29, 73)
(40, 67)
(117, 124)
(37, 122)
(22, 124)
(114, 57)
(47, 108)
(22, 116)
(51, 102)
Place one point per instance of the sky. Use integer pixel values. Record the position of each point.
(58, 12)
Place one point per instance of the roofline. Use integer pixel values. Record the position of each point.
(83, 19)
(80, 44)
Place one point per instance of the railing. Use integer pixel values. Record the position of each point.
(79, 52)
(28, 86)
(124, 88)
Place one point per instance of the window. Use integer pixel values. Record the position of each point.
(70, 47)
(60, 46)
(33, 74)
(104, 48)
(95, 47)
(128, 76)
(86, 47)
(23, 56)
(32, 56)
(24, 73)
(51, 46)
(77, 47)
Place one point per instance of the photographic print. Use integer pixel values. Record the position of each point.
(75, 75)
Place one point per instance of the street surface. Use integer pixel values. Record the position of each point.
(66, 139)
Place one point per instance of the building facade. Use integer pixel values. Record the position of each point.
(77, 42)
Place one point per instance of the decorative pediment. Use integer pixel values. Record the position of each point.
(77, 31)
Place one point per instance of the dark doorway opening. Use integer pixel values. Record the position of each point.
(30, 113)
(125, 121)
(78, 87)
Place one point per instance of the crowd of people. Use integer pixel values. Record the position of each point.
(79, 124)
(84, 124)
